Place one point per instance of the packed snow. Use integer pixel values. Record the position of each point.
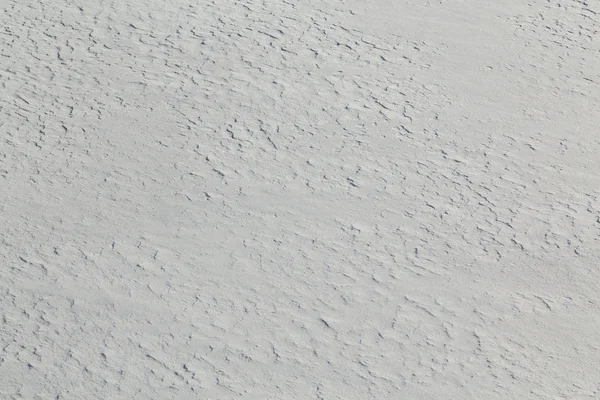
(299, 199)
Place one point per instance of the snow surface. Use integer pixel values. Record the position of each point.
(299, 199)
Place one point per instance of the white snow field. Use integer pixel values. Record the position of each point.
(299, 199)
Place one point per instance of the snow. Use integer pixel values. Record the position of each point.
(299, 199)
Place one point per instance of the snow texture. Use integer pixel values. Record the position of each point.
(299, 199)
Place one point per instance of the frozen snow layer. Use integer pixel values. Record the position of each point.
(299, 199)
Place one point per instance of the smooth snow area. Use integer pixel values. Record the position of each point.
(299, 199)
